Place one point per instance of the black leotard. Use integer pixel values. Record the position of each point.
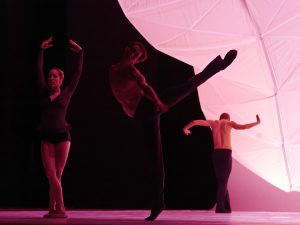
(53, 113)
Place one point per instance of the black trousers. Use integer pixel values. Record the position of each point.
(148, 114)
(222, 161)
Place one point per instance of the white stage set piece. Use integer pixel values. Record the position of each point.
(264, 79)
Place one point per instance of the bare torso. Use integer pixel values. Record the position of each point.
(221, 131)
(125, 87)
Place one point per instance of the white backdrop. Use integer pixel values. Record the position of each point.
(264, 79)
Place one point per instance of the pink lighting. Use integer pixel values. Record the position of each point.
(264, 79)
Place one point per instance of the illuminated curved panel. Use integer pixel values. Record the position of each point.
(264, 79)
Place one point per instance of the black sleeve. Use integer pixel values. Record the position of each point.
(40, 74)
(74, 82)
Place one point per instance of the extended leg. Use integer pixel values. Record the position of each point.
(174, 95)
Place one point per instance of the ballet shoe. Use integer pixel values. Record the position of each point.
(222, 211)
(155, 213)
(56, 214)
(228, 59)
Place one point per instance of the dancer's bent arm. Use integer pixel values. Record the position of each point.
(40, 64)
(74, 82)
(186, 129)
(245, 126)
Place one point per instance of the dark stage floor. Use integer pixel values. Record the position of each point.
(136, 217)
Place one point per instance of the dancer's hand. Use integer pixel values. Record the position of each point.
(47, 43)
(74, 46)
(186, 131)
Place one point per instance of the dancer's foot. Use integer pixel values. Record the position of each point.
(222, 211)
(56, 215)
(228, 59)
(227, 207)
(60, 207)
(155, 213)
(49, 214)
(51, 210)
(60, 212)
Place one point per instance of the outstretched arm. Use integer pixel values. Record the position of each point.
(186, 129)
(245, 126)
(40, 63)
(149, 91)
(74, 82)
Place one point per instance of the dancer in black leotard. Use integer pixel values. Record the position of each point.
(139, 100)
(53, 130)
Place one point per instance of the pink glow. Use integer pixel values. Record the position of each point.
(264, 79)
(135, 217)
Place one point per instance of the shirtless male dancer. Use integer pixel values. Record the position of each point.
(140, 101)
(222, 161)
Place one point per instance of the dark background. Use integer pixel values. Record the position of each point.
(108, 164)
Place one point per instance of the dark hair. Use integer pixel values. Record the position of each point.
(224, 116)
(143, 57)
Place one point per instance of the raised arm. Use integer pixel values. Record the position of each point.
(74, 82)
(149, 91)
(186, 129)
(245, 126)
(40, 64)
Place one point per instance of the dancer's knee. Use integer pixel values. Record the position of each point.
(52, 177)
(58, 176)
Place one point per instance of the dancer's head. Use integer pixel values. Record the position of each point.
(224, 116)
(136, 52)
(55, 78)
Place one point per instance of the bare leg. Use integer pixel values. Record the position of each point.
(48, 158)
(52, 203)
(61, 156)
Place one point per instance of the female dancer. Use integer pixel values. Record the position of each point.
(53, 130)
